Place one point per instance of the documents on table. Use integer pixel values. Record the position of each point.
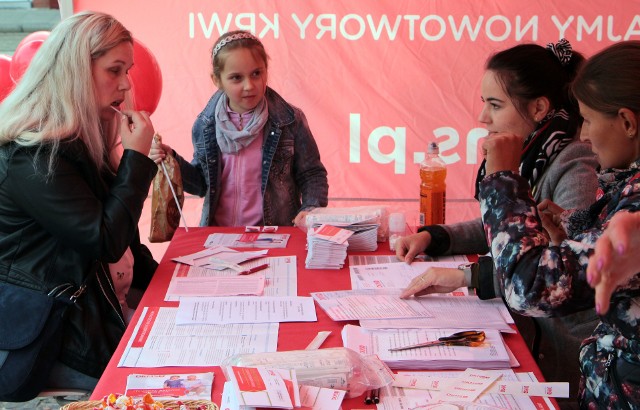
(281, 277)
(391, 275)
(219, 257)
(327, 247)
(311, 398)
(369, 304)
(181, 287)
(460, 312)
(171, 386)
(418, 397)
(492, 355)
(157, 341)
(265, 309)
(264, 387)
(248, 240)
(364, 236)
(376, 259)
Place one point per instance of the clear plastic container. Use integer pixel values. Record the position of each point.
(335, 368)
(397, 227)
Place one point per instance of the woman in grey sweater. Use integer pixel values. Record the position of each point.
(524, 91)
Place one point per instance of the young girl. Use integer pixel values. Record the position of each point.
(544, 279)
(255, 159)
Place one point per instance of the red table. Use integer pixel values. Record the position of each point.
(292, 336)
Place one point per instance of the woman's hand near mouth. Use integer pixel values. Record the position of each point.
(136, 131)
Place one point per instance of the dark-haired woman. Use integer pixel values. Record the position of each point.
(525, 95)
(543, 271)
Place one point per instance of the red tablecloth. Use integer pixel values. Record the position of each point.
(292, 336)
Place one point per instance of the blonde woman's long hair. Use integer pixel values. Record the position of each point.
(56, 98)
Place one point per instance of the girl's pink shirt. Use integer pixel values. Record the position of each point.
(240, 202)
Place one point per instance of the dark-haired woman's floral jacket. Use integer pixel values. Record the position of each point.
(539, 279)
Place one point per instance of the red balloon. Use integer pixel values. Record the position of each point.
(146, 79)
(22, 57)
(35, 36)
(6, 83)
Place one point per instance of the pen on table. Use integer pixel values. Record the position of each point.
(254, 270)
(368, 399)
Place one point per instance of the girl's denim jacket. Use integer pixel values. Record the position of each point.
(293, 177)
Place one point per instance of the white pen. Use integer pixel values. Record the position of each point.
(121, 113)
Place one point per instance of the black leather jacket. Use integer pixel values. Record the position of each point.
(65, 228)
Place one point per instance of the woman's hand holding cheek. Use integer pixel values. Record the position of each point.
(502, 152)
(136, 131)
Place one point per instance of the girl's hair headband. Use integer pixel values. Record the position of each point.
(231, 38)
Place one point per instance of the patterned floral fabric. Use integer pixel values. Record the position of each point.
(539, 279)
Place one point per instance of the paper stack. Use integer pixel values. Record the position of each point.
(327, 247)
(365, 221)
(365, 236)
(491, 355)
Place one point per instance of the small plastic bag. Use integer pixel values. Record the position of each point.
(333, 368)
(165, 214)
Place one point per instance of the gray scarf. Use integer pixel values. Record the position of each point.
(229, 138)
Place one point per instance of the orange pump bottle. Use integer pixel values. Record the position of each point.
(433, 173)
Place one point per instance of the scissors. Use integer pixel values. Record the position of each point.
(472, 338)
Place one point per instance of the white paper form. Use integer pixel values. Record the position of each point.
(320, 398)
(264, 309)
(376, 259)
(157, 341)
(407, 398)
(218, 256)
(459, 312)
(311, 398)
(281, 278)
(248, 240)
(262, 387)
(492, 355)
(181, 287)
(391, 275)
(369, 304)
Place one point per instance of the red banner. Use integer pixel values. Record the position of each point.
(378, 80)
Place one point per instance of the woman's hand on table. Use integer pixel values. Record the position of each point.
(502, 151)
(435, 280)
(407, 247)
(614, 262)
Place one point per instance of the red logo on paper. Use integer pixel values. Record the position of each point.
(249, 237)
(249, 379)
